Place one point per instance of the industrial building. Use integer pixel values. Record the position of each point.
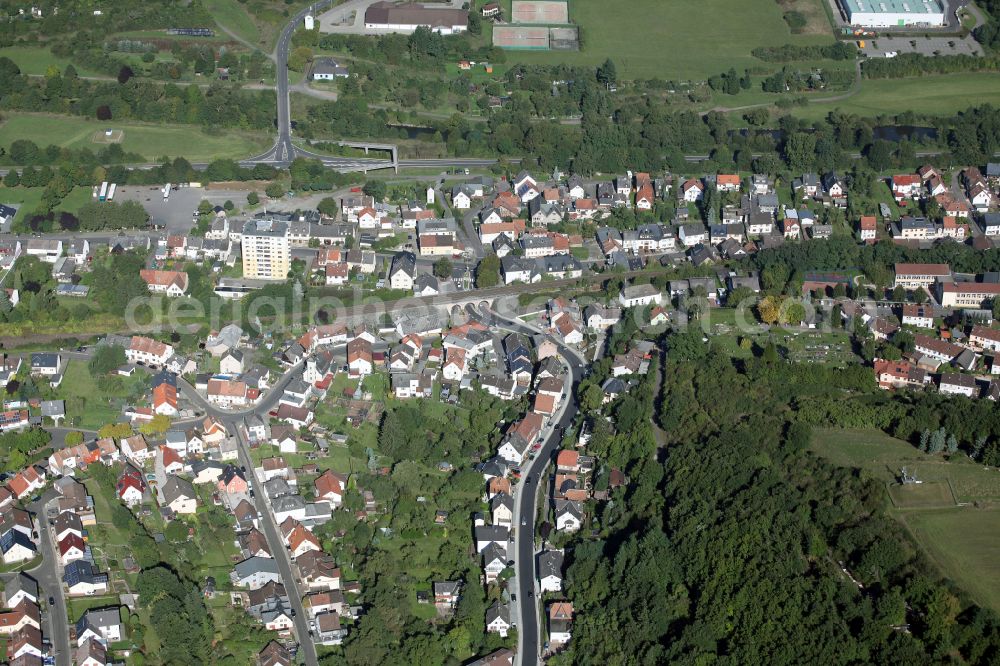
(266, 250)
(386, 16)
(894, 13)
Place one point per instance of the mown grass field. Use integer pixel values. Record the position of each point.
(678, 40)
(964, 541)
(939, 95)
(149, 140)
(965, 544)
(36, 60)
(229, 14)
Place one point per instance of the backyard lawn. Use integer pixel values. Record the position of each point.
(679, 40)
(27, 198)
(149, 140)
(85, 400)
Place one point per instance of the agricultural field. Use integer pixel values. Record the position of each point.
(961, 539)
(149, 140)
(684, 40)
(938, 95)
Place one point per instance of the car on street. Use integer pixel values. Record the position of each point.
(524, 522)
(52, 601)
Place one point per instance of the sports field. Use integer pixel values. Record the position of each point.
(544, 12)
(681, 39)
(939, 95)
(963, 541)
(150, 141)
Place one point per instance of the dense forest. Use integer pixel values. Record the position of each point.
(737, 555)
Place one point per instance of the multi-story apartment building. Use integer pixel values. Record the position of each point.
(266, 250)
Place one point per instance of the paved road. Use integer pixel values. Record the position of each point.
(525, 503)
(283, 151)
(47, 575)
(307, 649)
(469, 224)
(233, 421)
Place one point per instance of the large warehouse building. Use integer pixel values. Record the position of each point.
(893, 13)
(390, 17)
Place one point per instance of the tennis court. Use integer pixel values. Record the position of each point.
(520, 37)
(543, 12)
(564, 39)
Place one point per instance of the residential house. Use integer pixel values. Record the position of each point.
(921, 316)
(402, 271)
(958, 384)
(130, 486)
(550, 576)
(83, 579)
(984, 338)
(100, 624)
(178, 494)
(692, 190)
(169, 283)
(867, 228)
(639, 295)
(569, 517)
(498, 619)
(255, 572)
(560, 622)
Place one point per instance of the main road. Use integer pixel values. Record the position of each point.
(284, 150)
(526, 501)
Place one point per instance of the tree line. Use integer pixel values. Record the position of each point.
(134, 98)
(916, 64)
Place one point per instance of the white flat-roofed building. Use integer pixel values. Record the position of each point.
(893, 13)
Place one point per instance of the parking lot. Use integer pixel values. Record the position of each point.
(176, 212)
(928, 46)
